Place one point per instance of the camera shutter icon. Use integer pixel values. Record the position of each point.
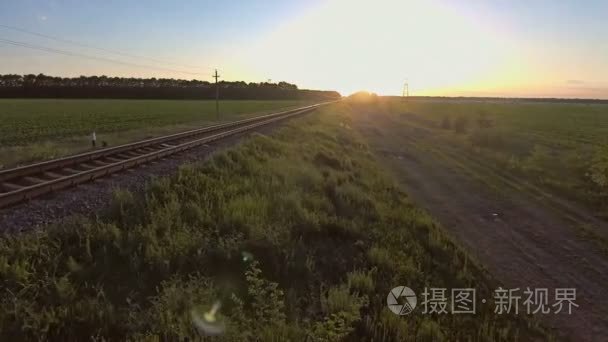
(401, 300)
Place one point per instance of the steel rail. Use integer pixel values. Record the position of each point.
(104, 162)
(36, 168)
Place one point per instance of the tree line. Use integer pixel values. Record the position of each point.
(43, 86)
(505, 99)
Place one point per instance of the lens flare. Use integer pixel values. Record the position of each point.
(209, 324)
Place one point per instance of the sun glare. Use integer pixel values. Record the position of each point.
(354, 45)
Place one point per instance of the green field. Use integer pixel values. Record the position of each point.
(562, 147)
(43, 129)
(300, 236)
(554, 125)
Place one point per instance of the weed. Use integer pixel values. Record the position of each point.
(299, 236)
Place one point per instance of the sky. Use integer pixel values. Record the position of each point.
(510, 48)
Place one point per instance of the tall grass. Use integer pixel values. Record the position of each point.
(299, 236)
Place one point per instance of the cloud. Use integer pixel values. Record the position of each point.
(42, 17)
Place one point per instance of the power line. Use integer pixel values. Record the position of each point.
(103, 59)
(88, 46)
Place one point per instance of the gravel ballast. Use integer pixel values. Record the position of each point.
(91, 198)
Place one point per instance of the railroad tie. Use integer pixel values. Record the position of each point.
(52, 175)
(70, 170)
(116, 160)
(12, 187)
(87, 166)
(33, 180)
(125, 156)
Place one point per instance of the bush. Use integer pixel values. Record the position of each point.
(342, 310)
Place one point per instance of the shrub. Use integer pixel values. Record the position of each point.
(342, 309)
(266, 297)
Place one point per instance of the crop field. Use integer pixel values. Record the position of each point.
(549, 124)
(33, 129)
(562, 147)
(299, 236)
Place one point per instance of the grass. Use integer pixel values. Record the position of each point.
(552, 124)
(300, 236)
(35, 129)
(561, 147)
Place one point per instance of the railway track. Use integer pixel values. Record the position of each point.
(23, 183)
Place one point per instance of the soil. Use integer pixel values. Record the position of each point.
(514, 230)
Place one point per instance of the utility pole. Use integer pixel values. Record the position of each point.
(217, 96)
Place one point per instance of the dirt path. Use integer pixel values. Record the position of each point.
(521, 240)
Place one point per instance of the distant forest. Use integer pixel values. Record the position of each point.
(43, 86)
(504, 99)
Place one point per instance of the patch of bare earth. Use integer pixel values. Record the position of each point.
(523, 241)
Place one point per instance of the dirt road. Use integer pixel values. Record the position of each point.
(513, 232)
